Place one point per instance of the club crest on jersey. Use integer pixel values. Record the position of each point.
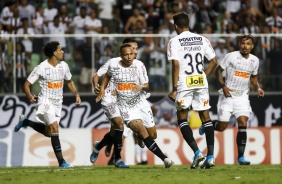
(195, 81)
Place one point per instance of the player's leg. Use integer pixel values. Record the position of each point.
(241, 139)
(37, 126)
(183, 102)
(137, 126)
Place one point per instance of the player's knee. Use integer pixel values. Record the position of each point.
(153, 135)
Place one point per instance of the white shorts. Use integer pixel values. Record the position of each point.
(239, 106)
(141, 111)
(48, 113)
(198, 98)
(86, 75)
(111, 111)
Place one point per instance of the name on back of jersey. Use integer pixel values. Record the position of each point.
(191, 41)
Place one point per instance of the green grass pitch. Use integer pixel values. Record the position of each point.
(146, 174)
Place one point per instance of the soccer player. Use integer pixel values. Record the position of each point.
(131, 81)
(51, 73)
(241, 68)
(112, 112)
(186, 51)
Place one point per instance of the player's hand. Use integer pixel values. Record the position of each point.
(100, 95)
(137, 88)
(226, 91)
(32, 99)
(77, 100)
(172, 95)
(97, 89)
(260, 92)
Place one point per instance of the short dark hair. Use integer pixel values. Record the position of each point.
(241, 37)
(50, 47)
(128, 40)
(124, 46)
(181, 20)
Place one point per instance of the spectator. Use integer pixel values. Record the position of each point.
(37, 24)
(26, 11)
(49, 13)
(274, 22)
(7, 14)
(233, 6)
(27, 40)
(15, 22)
(21, 65)
(84, 56)
(106, 14)
(249, 27)
(153, 19)
(132, 21)
(225, 21)
(78, 26)
(5, 69)
(124, 11)
(254, 13)
(274, 66)
(105, 56)
(58, 29)
(64, 18)
(93, 25)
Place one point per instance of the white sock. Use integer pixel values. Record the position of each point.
(137, 153)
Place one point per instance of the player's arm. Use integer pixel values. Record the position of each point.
(255, 83)
(104, 83)
(72, 88)
(211, 67)
(31, 98)
(95, 82)
(218, 74)
(175, 77)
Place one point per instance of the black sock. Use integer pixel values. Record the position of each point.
(153, 147)
(39, 127)
(187, 134)
(118, 143)
(107, 139)
(215, 122)
(57, 147)
(209, 131)
(241, 140)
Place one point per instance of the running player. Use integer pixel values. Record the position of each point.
(51, 74)
(186, 51)
(241, 68)
(131, 81)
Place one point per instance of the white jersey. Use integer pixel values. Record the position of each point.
(51, 80)
(125, 79)
(238, 71)
(189, 49)
(108, 98)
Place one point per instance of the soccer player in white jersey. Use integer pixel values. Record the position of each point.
(51, 73)
(241, 68)
(186, 51)
(131, 81)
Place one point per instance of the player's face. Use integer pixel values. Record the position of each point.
(246, 46)
(59, 53)
(127, 56)
(135, 48)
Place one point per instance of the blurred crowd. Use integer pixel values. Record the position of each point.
(93, 17)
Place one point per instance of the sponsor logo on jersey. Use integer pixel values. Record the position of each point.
(191, 41)
(125, 86)
(55, 85)
(241, 74)
(195, 81)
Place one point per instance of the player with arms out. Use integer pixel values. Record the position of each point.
(51, 73)
(131, 81)
(241, 68)
(186, 51)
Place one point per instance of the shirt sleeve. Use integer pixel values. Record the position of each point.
(34, 75)
(225, 62)
(143, 73)
(103, 69)
(209, 50)
(68, 73)
(172, 51)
